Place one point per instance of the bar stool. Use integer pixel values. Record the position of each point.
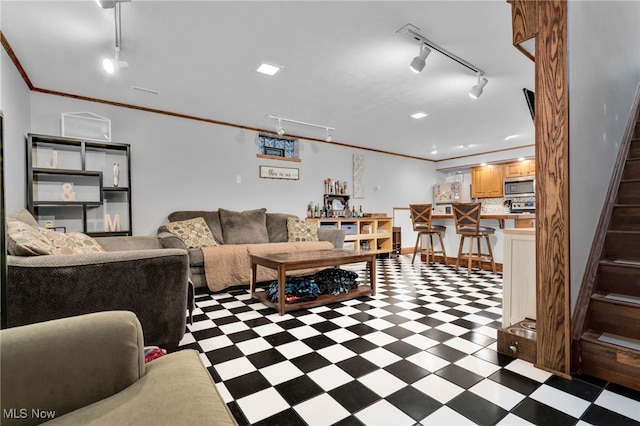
(467, 219)
(421, 219)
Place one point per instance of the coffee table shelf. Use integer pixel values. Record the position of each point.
(283, 262)
(323, 299)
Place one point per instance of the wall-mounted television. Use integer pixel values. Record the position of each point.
(530, 97)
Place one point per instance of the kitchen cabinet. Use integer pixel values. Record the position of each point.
(520, 169)
(76, 185)
(487, 181)
(518, 276)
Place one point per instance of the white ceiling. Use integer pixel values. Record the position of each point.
(344, 66)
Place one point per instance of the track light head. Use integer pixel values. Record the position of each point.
(418, 63)
(328, 138)
(476, 90)
(111, 65)
(281, 131)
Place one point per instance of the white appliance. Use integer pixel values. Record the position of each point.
(445, 194)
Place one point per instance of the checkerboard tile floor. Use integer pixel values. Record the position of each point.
(420, 352)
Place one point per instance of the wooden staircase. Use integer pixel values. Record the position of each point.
(606, 322)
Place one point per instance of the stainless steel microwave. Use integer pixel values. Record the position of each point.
(520, 187)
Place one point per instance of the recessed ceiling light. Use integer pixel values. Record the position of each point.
(483, 164)
(521, 159)
(268, 69)
(435, 151)
(510, 137)
(419, 115)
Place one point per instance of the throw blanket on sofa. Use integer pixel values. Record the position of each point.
(230, 264)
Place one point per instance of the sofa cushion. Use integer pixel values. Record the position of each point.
(23, 215)
(301, 230)
(277, 227)
(27, 240)
(195, 233)
(245, 227)
(72, 243)
(211, 217)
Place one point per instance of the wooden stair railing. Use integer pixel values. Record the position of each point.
(606, 321)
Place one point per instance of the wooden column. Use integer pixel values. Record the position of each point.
(552, 189)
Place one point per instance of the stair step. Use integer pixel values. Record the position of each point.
(625, 342)
(618, 276)
(625, 217)
(620, 262)
(629, 192)
(610, 361)
(613, 316)
(624, 245)
(617, 299)
(623, 298)
(631, 169)
(625, 262)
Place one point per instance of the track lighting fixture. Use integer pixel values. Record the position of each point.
(418, 63)
(476, 90)
(280, 129)
(328, 138)
(111, 65)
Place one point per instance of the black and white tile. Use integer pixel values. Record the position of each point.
(422, 351)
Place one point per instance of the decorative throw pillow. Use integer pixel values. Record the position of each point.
(72, 243)
(277, 227)
(246, 227)
(195, 233)
(27, 240)
(301, 230)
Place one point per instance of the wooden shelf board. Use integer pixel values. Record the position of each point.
(324, 299)
(275, 157)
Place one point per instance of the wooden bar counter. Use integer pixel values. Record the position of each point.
(522, 220)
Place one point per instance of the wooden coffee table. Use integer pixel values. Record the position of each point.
(283, 262)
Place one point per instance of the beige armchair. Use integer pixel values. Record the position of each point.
(90, 370)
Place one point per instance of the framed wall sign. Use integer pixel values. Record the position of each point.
(270, 172)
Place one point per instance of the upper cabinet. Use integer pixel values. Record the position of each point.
(520, 169)
(524, 20)
(79, 186)
(487, 181)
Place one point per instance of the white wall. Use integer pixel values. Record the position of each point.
(604, 71)
(15, 104)
(182, 164)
